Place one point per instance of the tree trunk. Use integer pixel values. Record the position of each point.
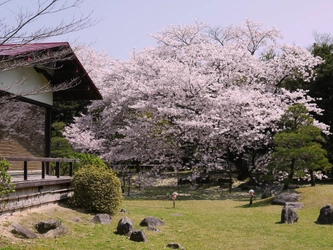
(291, 175)
(286, 186)
(229, 169)
(177, 174)
(137, 167)
(313, 179)
(243, 168)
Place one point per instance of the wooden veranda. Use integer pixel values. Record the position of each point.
(37, 187)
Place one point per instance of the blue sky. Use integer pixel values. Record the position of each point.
(126, 24)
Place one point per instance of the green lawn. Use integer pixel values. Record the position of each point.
(221, 223)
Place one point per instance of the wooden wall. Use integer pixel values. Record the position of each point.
(14, 148)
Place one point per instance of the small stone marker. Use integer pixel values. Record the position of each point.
(174, 197)
(251, 193)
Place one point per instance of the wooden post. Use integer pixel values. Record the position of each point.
(47, 131)
(57, 169)
(47, 168)
(43, 169)
(48, 128)
(71, 169)
(25, 170)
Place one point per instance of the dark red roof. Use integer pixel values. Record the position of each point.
(18, 49)
(65, 70)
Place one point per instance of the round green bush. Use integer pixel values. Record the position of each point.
(96, 189)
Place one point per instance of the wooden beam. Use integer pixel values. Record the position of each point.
(40, 159)
(40, 182)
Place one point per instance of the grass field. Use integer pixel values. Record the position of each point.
(223, 222)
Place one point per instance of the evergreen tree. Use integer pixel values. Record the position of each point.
(60, 147)
(66, 111)
(321, 87)
(298, 148)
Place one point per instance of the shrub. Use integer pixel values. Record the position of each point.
(96, 189)
(6, 187)
(87, 159)
(84, 159)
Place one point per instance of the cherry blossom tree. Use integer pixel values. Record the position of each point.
(200, 98)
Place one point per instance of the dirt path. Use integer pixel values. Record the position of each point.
(7, 219)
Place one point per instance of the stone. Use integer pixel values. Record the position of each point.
(138, 236)
(282, 198)
(23, 232)
(295, 205)
(151, 222)
(173, 245)
(154, 229)
(288, 215)
(125, 226)
(101, 219)
(56, 233)
(271, 191)
(45, 226)
(77, 219)
(326, 215)
(123, 210)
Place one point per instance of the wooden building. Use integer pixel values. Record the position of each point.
(36, 75)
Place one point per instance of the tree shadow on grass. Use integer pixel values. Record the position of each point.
(204, 192)
(187, 192)
(259, 203)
